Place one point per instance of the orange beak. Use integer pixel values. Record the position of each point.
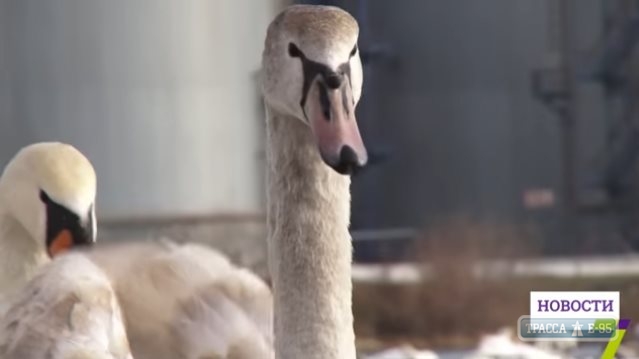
(61, 243)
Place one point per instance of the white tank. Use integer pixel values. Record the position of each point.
(160, 94)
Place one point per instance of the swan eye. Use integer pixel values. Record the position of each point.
(294, 51)
(353, 51)
(44, 197)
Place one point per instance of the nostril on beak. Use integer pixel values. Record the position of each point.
(333, 81)
(348, 155)
(348, 161)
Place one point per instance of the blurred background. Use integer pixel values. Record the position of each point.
(504, 133)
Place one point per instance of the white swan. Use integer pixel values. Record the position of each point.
(179, 301)
(312, 78)
(47, 193)
(66, 308)
(312, 82)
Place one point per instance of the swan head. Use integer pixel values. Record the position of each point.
(312, 72)
(49, 189)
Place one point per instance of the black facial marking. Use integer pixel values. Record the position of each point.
(294, 51)
(353, 51)
(325, 102)
(312, 69)
(60, 218)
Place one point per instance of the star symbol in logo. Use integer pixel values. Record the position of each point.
(576, 332)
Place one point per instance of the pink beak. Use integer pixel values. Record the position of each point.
(331, 114)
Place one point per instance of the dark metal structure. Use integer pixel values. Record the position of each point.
(478, 107)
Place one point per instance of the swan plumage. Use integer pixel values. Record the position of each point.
(188, 301)
(67, 311)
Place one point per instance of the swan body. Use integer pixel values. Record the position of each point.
(67, 311)
(188, 301)
(312, 78)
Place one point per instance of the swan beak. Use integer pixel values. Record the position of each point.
(331, 114)
(61, 243)
(66, 239)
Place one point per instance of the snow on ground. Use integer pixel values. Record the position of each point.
(404, 352)
(593, 266)
(503, 345)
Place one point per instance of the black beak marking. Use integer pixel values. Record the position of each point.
(325, 101)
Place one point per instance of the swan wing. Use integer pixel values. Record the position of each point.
(188, 301)
(67, 311)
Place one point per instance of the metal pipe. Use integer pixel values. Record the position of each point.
(384, 234)
(568, 111)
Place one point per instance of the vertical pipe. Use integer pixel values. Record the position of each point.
(559, 44)
(568, 113)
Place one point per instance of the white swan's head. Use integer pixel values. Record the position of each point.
(312, 71)
(49, 189)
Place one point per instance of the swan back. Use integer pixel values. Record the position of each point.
(188, 301)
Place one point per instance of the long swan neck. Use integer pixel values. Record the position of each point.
(20, 256)
(310, 248)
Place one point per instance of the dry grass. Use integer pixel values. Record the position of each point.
(455, 307)
(436, 315)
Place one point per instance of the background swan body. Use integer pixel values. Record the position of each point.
(181, 301)
(188, 301)
(67, 311)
